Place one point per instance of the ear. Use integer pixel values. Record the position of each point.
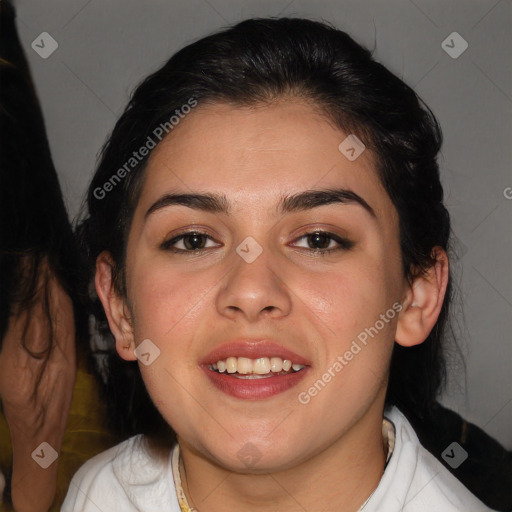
(423, 302)
(115, 306)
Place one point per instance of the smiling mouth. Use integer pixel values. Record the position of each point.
(260, 368)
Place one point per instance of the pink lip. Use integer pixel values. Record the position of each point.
(253, 389)
(256, 389)
(252, 349)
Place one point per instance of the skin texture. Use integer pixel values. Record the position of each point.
(36, 394)
(310, 456)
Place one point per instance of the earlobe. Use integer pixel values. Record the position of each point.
(115, 306)
(423, 302)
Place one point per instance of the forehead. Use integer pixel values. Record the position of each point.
(256, 154)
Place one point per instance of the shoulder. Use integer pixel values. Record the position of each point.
(123, 478)
(415, 481)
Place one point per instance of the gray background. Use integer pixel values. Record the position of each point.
(107, 47)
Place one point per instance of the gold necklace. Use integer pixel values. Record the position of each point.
(182, 499)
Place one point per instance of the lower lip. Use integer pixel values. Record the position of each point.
(254, 389)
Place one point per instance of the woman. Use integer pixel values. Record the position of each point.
(268, 240)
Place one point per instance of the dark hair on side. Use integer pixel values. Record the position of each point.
(37, 241)
(256, 62)
(37, 245)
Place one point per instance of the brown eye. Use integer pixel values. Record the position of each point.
(191, 241)
(194, 241)
(322, 242)
(319, 240)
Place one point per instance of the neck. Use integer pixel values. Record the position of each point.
(340, 477)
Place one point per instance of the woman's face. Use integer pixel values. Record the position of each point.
(262, 286)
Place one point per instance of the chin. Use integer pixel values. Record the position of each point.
(257, 455)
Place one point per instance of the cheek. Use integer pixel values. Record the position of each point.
(167, 309)
(165, 302)
(353, 313)
(348, 299)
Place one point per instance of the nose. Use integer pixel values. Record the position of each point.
(254, 290)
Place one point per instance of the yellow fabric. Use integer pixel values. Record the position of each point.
(85, 434)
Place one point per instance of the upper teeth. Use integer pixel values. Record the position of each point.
(260, 366)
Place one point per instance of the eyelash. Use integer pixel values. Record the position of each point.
(344, 244)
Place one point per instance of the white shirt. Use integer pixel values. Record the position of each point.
(126, 479)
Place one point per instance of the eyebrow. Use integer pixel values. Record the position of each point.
(307, 200)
